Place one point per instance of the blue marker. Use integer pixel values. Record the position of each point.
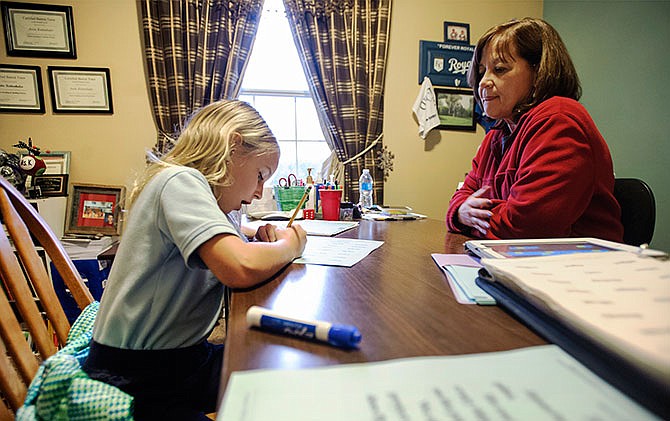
(345, 336)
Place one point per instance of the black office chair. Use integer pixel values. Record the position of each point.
(638, 210)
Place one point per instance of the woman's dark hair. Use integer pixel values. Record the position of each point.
(539, 44)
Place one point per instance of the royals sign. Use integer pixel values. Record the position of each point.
(445, 63)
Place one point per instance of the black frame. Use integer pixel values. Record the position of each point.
(51, 184)
(37, 72)
(461, 93)
(60, 106)
(9, 9)
(463, 27)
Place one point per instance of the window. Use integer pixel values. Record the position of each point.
(275, 84)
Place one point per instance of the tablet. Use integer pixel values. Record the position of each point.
(505, 249)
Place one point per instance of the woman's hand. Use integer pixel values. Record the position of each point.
(475, 213)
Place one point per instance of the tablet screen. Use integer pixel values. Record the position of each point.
(547, 249)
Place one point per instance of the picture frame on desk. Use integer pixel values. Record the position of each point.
(95, 209)
(21, 89)
(51, 185)
(80, 89)
(456, 109)
(38, 30)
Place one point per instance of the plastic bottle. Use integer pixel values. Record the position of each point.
(365, 187)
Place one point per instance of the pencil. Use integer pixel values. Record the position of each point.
(302, 200)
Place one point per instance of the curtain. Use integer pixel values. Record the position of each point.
(196, 53)
(342, 45)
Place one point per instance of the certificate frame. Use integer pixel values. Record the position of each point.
(21, 89)
(456, 109)
(80, 89)
(95, 209)
(38, 30)
(57, 162)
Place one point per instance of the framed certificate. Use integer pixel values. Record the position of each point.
(80, 90)
(21, 89)
(38, 30)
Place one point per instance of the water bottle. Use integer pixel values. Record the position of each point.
(365, 187)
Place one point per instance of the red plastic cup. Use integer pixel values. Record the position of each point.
(330, 204)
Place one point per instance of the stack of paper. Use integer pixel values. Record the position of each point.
(619, 299)
(461, 271)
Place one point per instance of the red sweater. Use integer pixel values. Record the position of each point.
(554, 179)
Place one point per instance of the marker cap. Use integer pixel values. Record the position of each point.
(346, 336)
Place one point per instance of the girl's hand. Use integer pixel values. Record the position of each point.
(266, 233)
(295, 236)
(475, 213)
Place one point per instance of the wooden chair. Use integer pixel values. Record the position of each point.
(638, 210)
(28, 297)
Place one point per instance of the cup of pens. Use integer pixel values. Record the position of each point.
(330, 203)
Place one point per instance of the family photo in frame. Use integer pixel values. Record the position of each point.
(456, 109)
(457, 32)
(95, 209)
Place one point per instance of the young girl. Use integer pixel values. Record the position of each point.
(178, 250)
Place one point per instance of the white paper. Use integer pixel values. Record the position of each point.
(332, 251)
(536, 383)
(618, 298)
(311, 226)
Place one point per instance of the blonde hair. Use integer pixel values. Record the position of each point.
(541, 46)
(208, 140)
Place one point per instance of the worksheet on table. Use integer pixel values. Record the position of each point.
(332, 251)
(535, 383)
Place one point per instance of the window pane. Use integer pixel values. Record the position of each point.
(287, 163)
(279, 113)
(308, 121)
(247, 98)
(274, 63)
(312, 155)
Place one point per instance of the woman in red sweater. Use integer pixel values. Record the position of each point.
(544, 169)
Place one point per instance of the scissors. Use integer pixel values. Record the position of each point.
(288, 181)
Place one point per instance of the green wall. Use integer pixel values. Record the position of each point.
(620, 50)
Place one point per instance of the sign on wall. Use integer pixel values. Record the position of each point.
(445, 63)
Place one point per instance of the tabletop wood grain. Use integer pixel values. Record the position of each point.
(397, 297)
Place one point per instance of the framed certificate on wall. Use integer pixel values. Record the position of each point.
(38, 30)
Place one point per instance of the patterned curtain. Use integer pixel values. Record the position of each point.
(343, 45)
(196, 52)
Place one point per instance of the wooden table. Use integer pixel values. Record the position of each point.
(397, 297)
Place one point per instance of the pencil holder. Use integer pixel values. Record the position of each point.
(287, 198)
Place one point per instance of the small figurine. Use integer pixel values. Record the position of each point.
(30, 163)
